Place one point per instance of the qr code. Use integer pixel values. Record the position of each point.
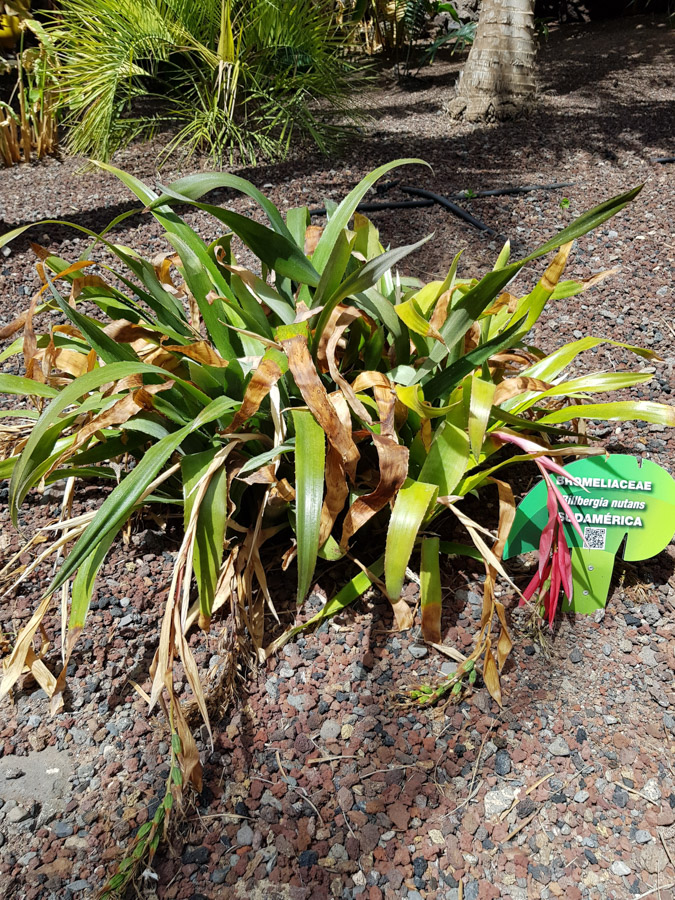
(594, 538)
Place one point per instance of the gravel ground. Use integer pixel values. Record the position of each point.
(321, 786)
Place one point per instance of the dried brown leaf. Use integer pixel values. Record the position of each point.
(266, 375)
(337, 492)
(125, 332)
(263, 475)
(119, 413)
(491, 675)
(64, 360)
(78, 285)
(30, 342)
(303, 313)
(13, 667)
(201, 352)
(312, 238)
(440, 313)
(321, 357)
(472, 338)
(189, 756)
(403, 614)
(347, 316)
(426, 434)
(504, 300)
(385, 397)
(41, 252)
(315, 396)
(41, 673)
(283, 490)
(9, 330)
(393, 461)
(512, 387)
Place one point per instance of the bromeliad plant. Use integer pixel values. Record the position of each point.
(288, 404)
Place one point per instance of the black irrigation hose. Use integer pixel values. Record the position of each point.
(493, 192)
(430, 199)
(664, 159)
(448, 204)
(498, 192)
(374, 207)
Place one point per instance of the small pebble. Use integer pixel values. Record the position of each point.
(620, 868)
(245, 836)
(559, 747)
(330, 730)
(502, 762)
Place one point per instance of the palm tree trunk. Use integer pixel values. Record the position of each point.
(498, 78)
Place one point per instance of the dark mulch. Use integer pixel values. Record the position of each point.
(405, 804)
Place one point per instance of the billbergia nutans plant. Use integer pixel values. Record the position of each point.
(286, 406)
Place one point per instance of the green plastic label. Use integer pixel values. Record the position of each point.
(623, 503)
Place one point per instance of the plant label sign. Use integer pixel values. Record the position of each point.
(622, 504)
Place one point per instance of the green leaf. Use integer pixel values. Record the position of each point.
(25, 387)
(106, 347)
(411, 313)
(331, 550)
(587, 222)
(33, 453)
(334, 269)
(449, 378)
(363, 279)
(501, 415)
(447, 459)
(310, 456)
(504, 256)
(410, 507)
(431, 601)
(83, 583)
(201, 285)
(211, 523)
(193, 187)
(134, 184)
(413, 397)
(267, 456)
(116, 508)
(340, 218)
(381, 309)
(620, 411)
(167, 308)
(552, 365)
(265, 293)
(586, 384)
(533, 304)
(476, 300)
(297, 220)
(18, 413)
(480, 407)
(13, 349)
(276, 248)
(279, 253)
(451, 548)
(464, 313)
